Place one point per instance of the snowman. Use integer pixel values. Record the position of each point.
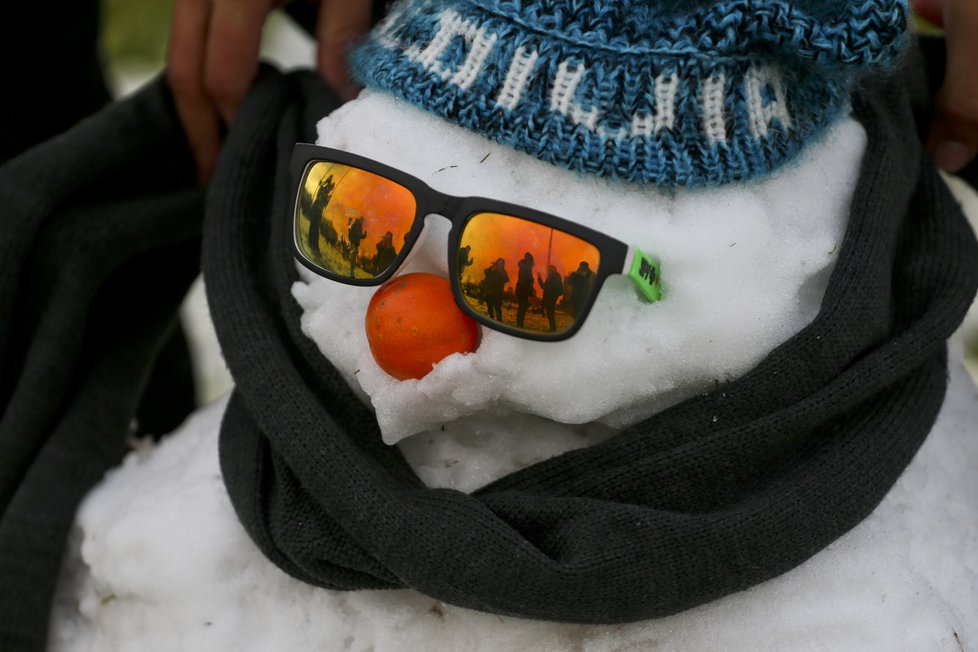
(494, 330)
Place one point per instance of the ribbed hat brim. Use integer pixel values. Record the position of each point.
(728, 91)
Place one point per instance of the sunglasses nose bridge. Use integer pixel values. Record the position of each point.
(446, 206)
(428, 252)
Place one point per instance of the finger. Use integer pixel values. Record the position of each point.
(233, 40)
(954, 137)
(930, 10)
(340, 23)
(184, 74)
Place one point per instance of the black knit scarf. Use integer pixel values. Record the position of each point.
(99, 234)
(716, 494)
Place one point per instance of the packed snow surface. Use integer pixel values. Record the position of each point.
(744, 267)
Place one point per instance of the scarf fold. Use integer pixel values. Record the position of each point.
(99, 241)
(100, 238)
(714, 495)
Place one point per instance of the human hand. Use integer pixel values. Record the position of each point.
(213, 58)
(953, 140)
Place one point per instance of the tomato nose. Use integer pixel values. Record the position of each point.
(413, 323)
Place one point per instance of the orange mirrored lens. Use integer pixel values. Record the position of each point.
(525, 275)
(351, 222)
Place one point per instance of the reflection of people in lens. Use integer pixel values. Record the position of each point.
(579, 283)
(326, 187)
(463, 259)
(356, 233)
(385, 253)
(553, 287)
(493, 286)
(524, 287)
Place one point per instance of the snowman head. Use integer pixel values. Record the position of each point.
(731, 170)
(744, 267)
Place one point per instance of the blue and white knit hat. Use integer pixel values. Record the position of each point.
(676, 93)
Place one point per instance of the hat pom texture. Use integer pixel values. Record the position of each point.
(686, 93)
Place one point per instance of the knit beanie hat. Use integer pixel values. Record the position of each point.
(671, 92)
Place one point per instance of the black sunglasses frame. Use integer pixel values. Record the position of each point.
(458, 210)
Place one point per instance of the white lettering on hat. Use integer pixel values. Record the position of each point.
(762, 114)
(480, 45)
(517, 77)
(562, 96)
(764, 89)
(452, 26)
(711, 100)
(645, 124)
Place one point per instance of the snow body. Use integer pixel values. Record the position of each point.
(159, 561)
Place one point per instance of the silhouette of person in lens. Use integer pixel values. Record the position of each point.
(493, 286)
(579, 283)
(356, 233)
(385, 253)
(463, 259)
(524, 287)
(316, 211)
(552, 288)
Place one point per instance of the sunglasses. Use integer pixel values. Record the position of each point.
(512, 268)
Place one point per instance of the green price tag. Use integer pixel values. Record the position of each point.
(645, 272)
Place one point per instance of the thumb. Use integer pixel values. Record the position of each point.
(953, 140)
(340, 24)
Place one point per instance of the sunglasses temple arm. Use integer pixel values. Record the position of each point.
(645, 272)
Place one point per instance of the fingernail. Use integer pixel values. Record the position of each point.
(952, 155)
